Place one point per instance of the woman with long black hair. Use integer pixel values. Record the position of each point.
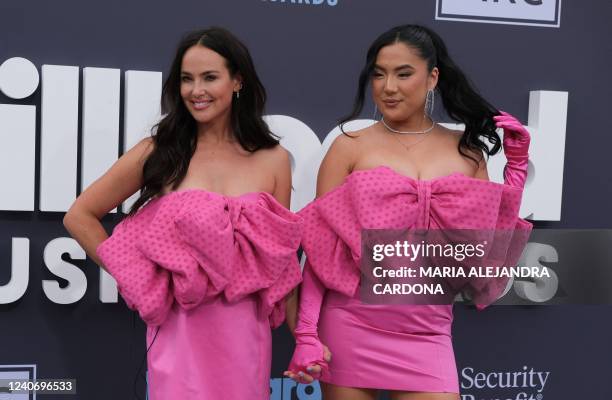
(403, 172)
(207, 254)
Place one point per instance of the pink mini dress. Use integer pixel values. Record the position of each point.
(208, 274)
(394, 347)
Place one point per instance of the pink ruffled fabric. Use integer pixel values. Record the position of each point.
(192, 245)
(381, 198)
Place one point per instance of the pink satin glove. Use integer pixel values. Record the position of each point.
(310, 356)
(516, 148)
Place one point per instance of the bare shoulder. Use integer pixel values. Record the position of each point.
(276, 162)
(137, 155)
(358, 137)
(147, 141)
(453, 138)
(144, 147)
(453, 135)
(274, 157)
(339, 160)
(346, 146)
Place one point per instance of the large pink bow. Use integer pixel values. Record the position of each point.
(381, 198)
(192, 245)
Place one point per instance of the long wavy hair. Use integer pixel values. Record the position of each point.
(461, 101)
(175, 136)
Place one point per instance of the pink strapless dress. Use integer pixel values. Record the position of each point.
(211, 273)
(395, 347)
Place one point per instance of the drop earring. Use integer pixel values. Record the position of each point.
(429, 103)
(238, 91)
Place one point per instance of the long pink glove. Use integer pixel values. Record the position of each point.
(516, 148)
(308, 348)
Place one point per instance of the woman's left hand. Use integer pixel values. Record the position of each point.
(516, 148)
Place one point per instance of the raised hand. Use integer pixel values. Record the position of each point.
(516, 148)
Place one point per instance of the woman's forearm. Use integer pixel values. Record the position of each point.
(87, 230)
(312, 293)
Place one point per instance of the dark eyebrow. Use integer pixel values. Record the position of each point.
(404, 66)
(203, 73)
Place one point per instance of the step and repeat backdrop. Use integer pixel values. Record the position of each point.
(80, 83)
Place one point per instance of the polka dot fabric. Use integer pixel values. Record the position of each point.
(193, 245)
(381, 198)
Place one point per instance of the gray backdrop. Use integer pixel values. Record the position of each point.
(308, 58)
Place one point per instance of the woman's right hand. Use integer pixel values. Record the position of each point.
(302, 373)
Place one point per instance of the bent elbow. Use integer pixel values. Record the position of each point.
(69, 219)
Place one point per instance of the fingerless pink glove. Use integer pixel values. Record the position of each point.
(308, 347)
(516, 148)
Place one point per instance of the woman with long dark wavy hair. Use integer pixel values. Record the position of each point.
(403, 172)
(207, 254)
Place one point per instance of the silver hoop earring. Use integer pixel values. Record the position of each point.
(238, 94)
(429, 103)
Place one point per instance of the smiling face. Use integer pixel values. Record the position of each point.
(207, 87)
(400, 82)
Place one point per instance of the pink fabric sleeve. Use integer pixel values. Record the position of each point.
(308, 347)
(516, 149)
